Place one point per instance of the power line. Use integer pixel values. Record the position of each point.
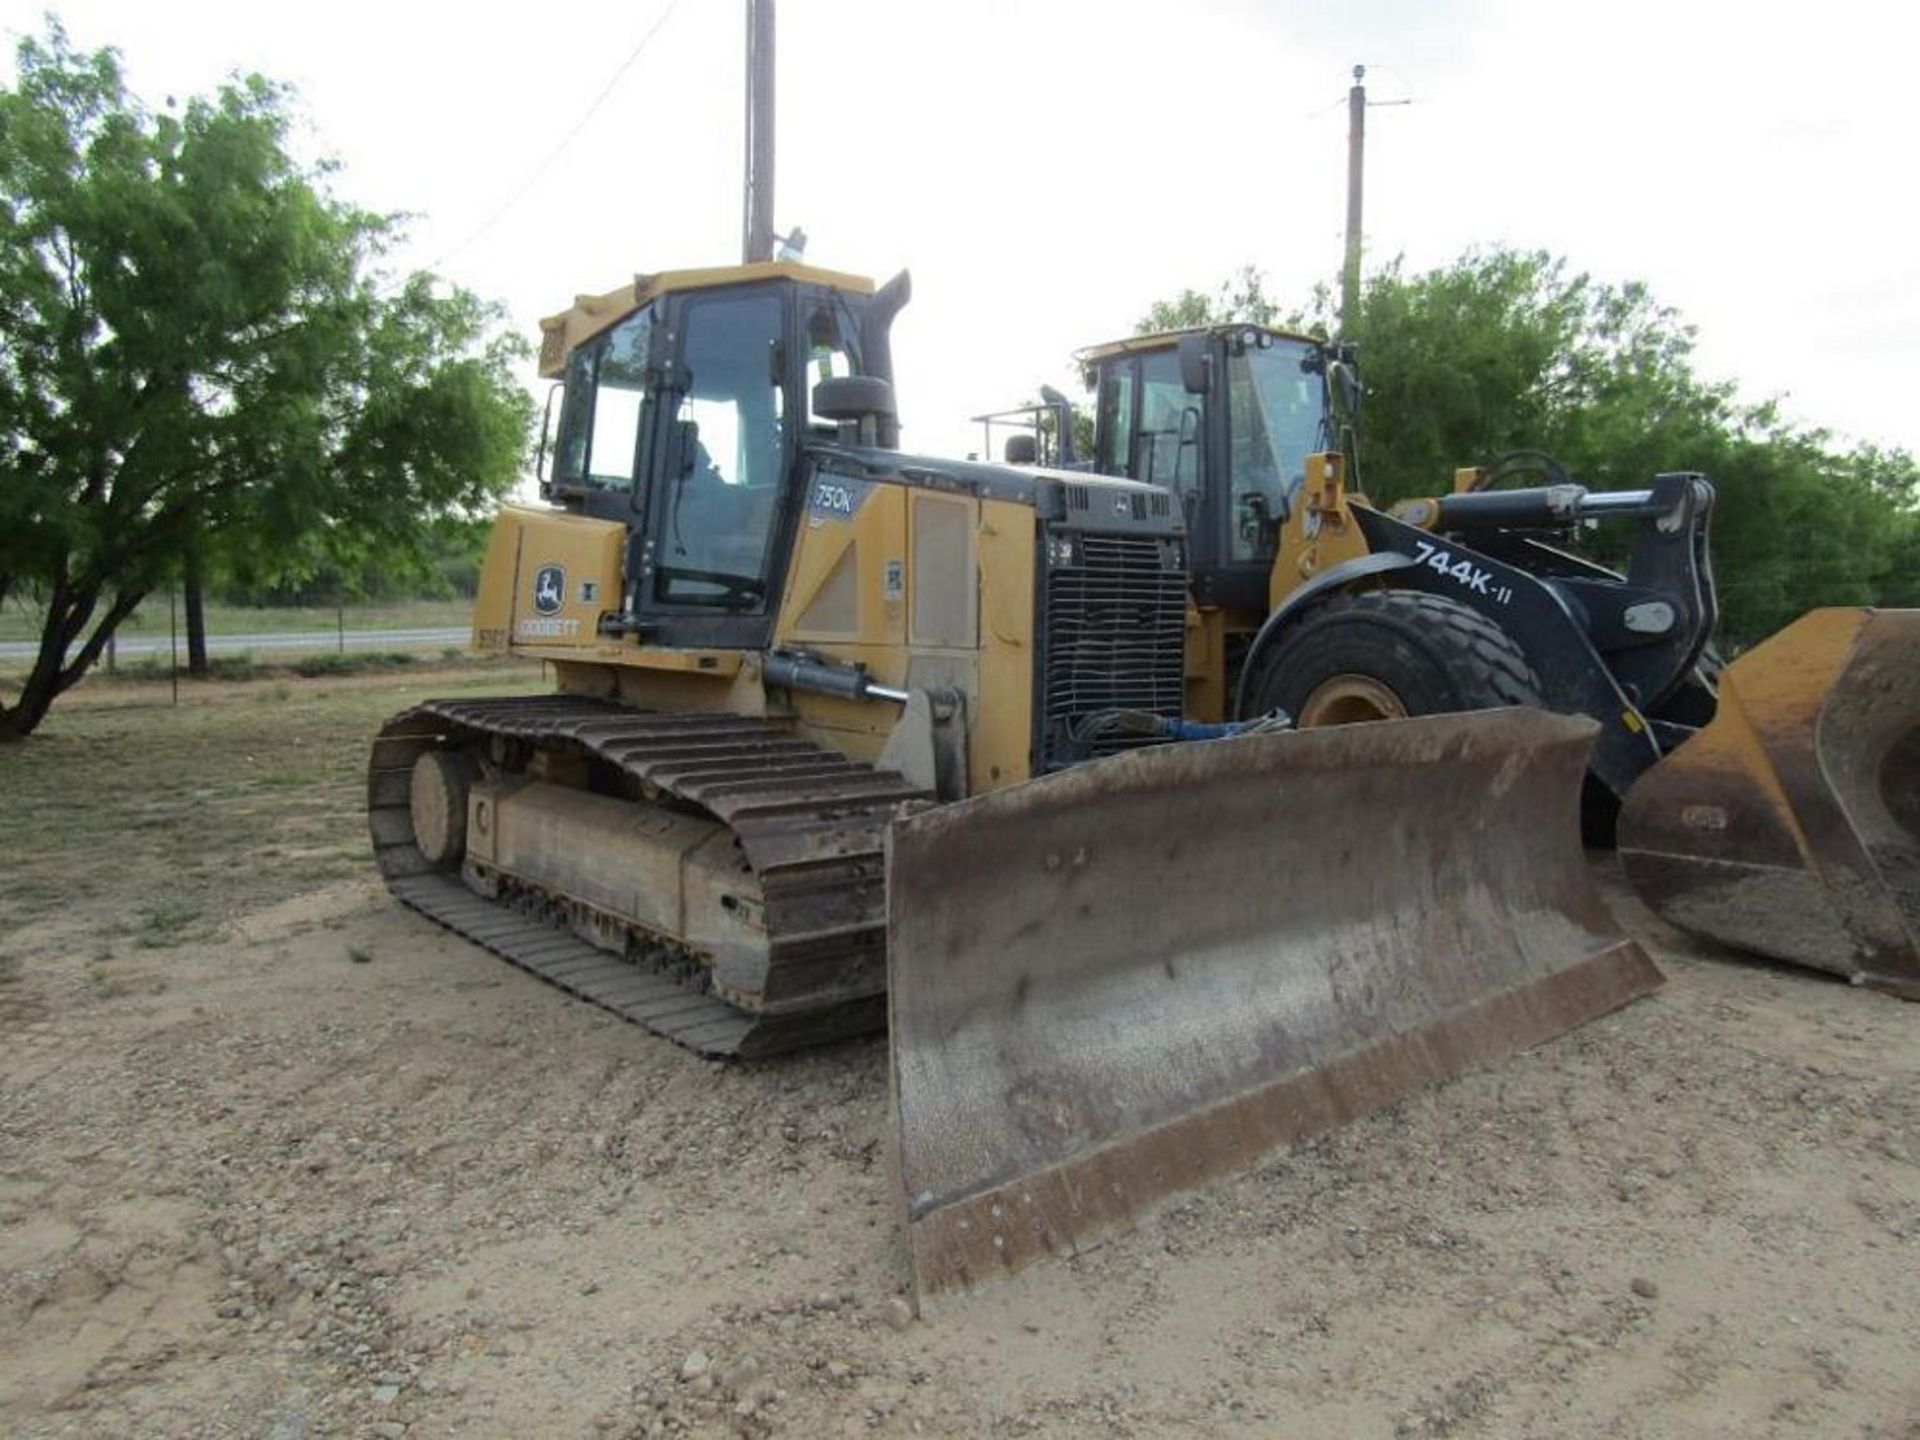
(560, 149)
(1388, 69)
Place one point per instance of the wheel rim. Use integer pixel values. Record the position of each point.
(1350, 700)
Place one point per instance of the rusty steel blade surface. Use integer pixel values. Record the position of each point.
(1118, 982)
(1790, 825)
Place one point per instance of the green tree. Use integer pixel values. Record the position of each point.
(1242, 296)
(194, 342)
(448, 566)
(1505, 350)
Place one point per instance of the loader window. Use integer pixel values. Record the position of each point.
(723, 484)
(1115, 421)
(1275, 412)
(1167, 442)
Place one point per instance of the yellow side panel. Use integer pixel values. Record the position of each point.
(944, 608)
(1000, 727)
(847, 584)
(924, 589)
(493, 599)
(1206, 664)
(547, 579)
(846, 599)
(1319, 533)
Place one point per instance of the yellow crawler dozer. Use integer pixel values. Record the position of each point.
(844, 737)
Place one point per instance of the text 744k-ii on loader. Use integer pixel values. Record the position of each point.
(845, 737)
(1773, 805)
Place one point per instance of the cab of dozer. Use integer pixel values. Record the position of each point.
(1773, 805)
(844, 737)
(738, 531)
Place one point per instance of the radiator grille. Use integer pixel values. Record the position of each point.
(1115, 637)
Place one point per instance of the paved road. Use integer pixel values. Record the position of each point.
(132, 645)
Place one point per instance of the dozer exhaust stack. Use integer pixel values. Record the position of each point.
(1790, 825)
(1118, 982)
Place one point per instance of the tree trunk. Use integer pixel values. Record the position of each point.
(36, 696)
(57, 632)
(196, 614)
(67, 614)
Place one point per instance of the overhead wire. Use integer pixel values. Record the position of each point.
(553, 156)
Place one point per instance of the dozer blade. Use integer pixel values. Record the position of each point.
(1123, 980)
(1790, 825)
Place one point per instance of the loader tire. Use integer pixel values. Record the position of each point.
(1388, 654)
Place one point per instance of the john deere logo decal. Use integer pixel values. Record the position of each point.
(550, 589)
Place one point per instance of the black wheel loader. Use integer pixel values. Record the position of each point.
(1773, 804)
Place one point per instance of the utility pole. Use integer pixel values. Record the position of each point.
(1357, 103)
(1356, 166)
(757, 228)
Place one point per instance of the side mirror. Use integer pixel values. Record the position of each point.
(1196, 365)
(862, 407)
(853, 397)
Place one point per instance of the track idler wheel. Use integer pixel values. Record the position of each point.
(437, 798)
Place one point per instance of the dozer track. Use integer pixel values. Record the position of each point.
(810, 824)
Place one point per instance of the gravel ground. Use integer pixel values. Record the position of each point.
(324, 1169)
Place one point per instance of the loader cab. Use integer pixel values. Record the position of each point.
(686, 400)
(1224, 417)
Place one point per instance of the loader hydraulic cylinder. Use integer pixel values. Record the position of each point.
(1543, 507)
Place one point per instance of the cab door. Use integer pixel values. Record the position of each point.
(717, 523)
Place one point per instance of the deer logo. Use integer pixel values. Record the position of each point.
(549, 589)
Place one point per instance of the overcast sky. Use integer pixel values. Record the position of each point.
(1046, 170)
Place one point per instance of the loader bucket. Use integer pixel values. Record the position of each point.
(1121, 981)
(1790, 825)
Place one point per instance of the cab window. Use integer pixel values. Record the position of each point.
(1115, 421)
(606, 399)
(1167, 442)
(1275, 410)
